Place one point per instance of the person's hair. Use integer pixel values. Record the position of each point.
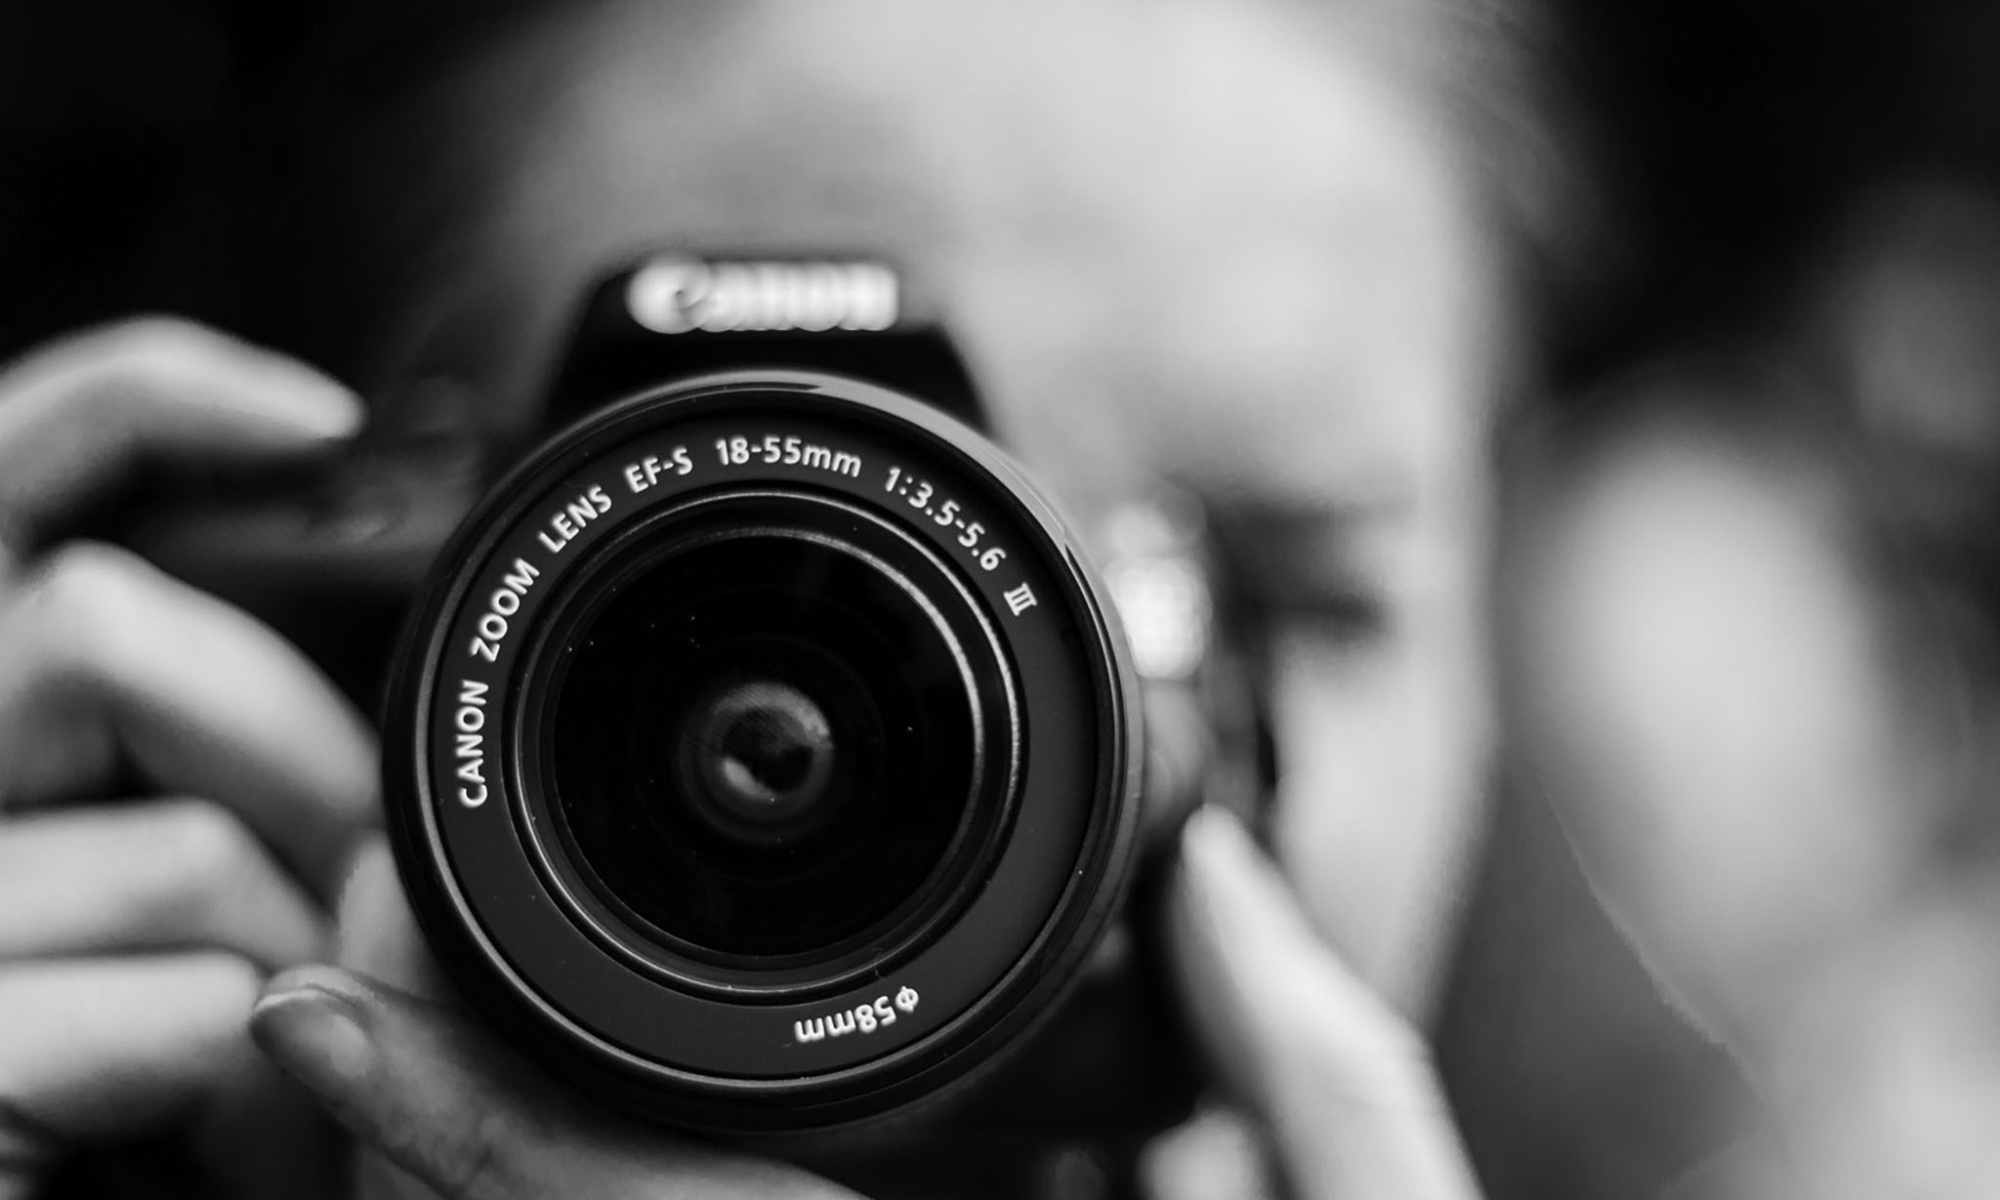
(370, 127)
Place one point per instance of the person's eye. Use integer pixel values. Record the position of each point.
(1302, 573)
(1346, 618)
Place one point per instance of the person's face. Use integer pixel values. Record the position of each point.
(1223, 242)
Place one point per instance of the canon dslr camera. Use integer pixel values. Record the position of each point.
(760, 754)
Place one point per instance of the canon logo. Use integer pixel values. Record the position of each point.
(681, 295)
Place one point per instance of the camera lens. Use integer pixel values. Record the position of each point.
(761, 757)
(756, 756)
(764, 739)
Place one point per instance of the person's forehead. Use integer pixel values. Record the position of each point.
(1201, 229)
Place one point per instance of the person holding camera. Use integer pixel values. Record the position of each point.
(1250, 266)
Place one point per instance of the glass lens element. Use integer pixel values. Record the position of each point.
(763, 744)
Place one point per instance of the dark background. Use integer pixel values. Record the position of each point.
(143, 147)
(148, 162)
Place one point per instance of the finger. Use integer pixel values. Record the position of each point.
(1345, 1085)
(1180, 746)
(460, 1113)
(379, 938)
(94, 1049)
(156, 875)
(378, 933)
(75, 415)
(102, 1050)
(105, 661)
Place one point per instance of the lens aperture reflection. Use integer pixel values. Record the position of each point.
(756, 757)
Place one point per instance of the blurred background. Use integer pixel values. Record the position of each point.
(1773, 320)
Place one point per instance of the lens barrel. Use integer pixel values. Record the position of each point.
(761, 755)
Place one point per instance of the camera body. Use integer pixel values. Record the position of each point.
(761, 753)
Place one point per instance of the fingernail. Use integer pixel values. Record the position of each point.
(319, 404)
(1234, 889)
(1205, 867)
(315, 1034)
(329, 410)
(1215, 844)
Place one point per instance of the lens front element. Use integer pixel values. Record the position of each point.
(765, 737)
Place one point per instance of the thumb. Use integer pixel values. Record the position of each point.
(462, 1114)
(1344, 1083)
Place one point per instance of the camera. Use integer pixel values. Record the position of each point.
(760, 754)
